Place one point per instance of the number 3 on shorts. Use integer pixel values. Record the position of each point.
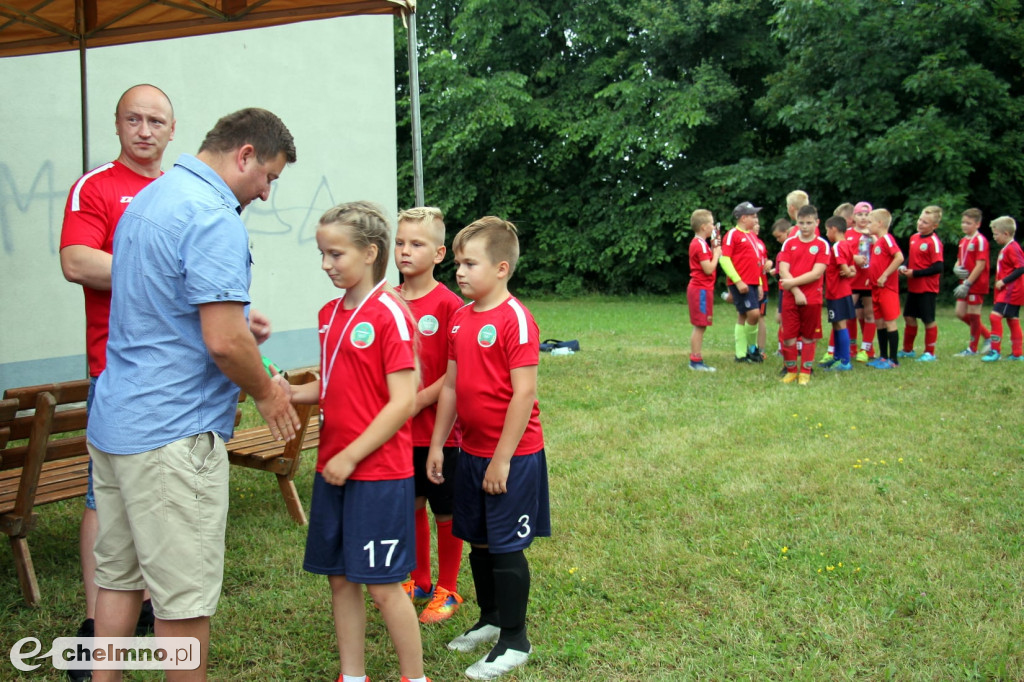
(369, 547)
(524, 526)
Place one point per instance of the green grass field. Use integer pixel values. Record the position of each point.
(706, 526)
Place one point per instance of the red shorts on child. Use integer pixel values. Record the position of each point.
(701, 303)
(887, 304)
(801, 321)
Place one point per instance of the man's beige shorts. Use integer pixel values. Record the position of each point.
(162, 515)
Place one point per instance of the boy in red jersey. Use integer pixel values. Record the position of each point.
(419, 246)
(802, 263)
(501, 482)
(1009, 290)
(742, 264)
(923, 268)
(886, 258)
(972, 265)
(838, 294)
(861, 285)
(700, 292)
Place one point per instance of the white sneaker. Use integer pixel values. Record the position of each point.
(471, 639)
(485, 669)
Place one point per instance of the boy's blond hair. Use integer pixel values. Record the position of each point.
(882, 216)
(844, 210)
(797, 199)
(1004, 224)
(501, 241)
(972, 214)
(431, 216)
(933, 212)
(701, 216)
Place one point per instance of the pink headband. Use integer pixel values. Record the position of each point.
(861, 207)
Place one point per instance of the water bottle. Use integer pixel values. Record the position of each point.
(864, 249)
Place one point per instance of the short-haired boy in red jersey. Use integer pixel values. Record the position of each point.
(700, 292)
(923, 269)
(802, 263)
(972, 268)
(838, 294)
(886, 258)
(1009, 290)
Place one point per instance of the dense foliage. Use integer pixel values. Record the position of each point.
(598, 126)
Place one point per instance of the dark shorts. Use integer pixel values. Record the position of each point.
(840, 309)
(362, 530)
(745, 302)
(886, 304)
(920, 305)
(508, 522)
(861, 297)
(439, 495)
(801, 321)
(701, 305)
(1007, 310)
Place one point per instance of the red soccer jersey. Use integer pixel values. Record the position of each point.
(1010, 258)
(923, 252)
(94, 206)
(486, 347)
(762, 258)
(433, 314)
(862, 280)
(837, 286)
(802, 257)
(700, 252)
(358, 351)
(741, 247)
(970, 251)
(882, 255)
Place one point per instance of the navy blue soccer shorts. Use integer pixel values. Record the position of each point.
(362, 530)
(840, 309)
(745, 302)
(508, 522)
(439, 495)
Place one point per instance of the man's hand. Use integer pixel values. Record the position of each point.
(276, 409)
(259, 325)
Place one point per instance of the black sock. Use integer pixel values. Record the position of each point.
(883, 343)
(481, 564)
(512, 584)
(894, 344)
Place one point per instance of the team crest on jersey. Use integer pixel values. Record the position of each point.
(487, 336)
(813, 250)
(428, 325)
(362, 336)
(970, 247)
(924, 246)
(878, 250)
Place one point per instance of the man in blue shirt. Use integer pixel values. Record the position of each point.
(179, 347)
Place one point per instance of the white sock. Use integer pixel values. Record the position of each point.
(353, 678)
(417, 679)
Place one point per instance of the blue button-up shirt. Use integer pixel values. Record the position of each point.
(180, 244)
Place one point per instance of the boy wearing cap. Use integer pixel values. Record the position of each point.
(861, 284)
(741, 262)
(923, 269)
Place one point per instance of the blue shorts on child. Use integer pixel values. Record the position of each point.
(507, 522)
(362, 530)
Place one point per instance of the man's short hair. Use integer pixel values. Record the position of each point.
(117, 108)
(258, 127)
(701, 216)
(807, 211)
(501, 242)
(844, 210)
(1004, 224)
(933, 212)
(973, 214)
(431, 216)
(837, 221)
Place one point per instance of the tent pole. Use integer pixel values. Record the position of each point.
(83, 84)
(414, 104)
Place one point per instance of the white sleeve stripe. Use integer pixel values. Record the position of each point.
(81, 181)
(399, 315)
(524, 332)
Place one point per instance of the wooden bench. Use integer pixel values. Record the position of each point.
(255, 448)
(35, 467)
